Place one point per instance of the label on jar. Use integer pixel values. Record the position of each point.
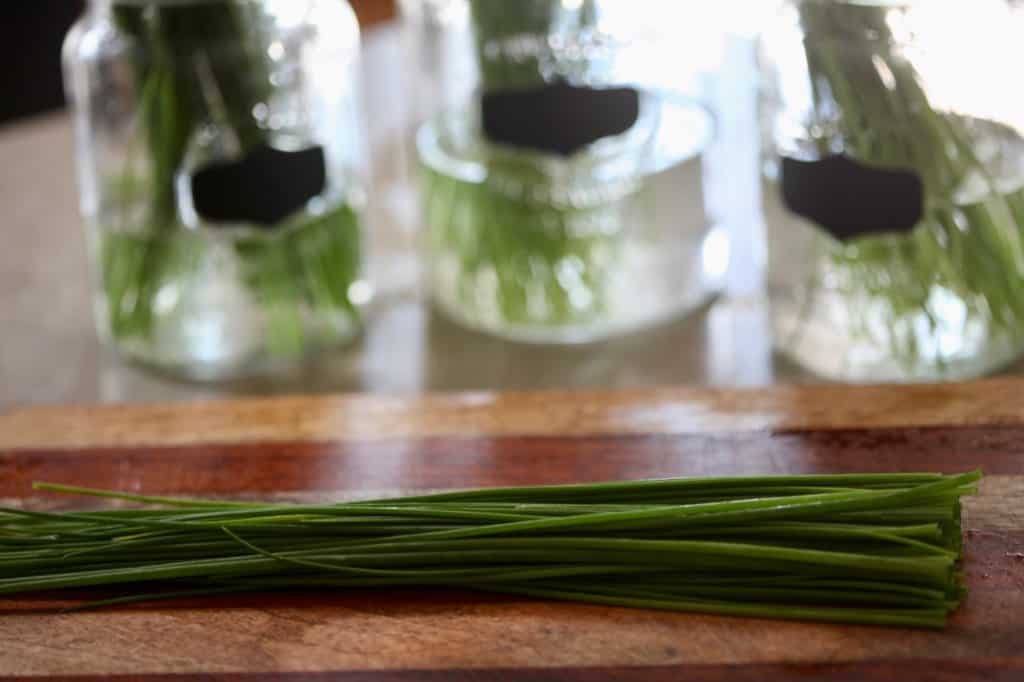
(558, 118)
(849, 199)
(263, 188)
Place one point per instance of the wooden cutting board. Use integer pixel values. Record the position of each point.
(319, 448)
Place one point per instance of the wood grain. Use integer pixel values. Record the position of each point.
(556, 413)
(369, 468)
(981, 670)
(309, 448)
(452, 630)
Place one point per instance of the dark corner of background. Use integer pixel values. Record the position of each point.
(31, 33)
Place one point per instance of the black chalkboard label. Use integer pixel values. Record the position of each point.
(558, 118)
(264, 187)
(849, 199)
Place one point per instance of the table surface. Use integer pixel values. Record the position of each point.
(330, 447)
(49, 352)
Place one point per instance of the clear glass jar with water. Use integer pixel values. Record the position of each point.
(220, 164)
(893, 187)
(560, 167)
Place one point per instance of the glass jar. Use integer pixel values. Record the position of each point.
(560, 163)
(220, 166)
(893, 188)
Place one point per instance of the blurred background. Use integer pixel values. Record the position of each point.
(50, 353)
(31, 34)
(30, 38)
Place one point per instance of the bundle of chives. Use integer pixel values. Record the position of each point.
(879, 549)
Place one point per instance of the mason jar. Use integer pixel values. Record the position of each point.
(560, 162)
(220, 168)
(893, 187)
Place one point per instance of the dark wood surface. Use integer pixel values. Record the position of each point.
(979, 670)
(323, 448)
(373, 11)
